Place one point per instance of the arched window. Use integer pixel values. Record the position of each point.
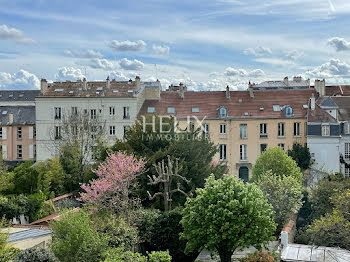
(222, 112)
(289, 111)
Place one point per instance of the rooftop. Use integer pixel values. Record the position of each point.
(18, 95)
(28, 234)
(296, 83)
(22, 115)
(239, 105)
(338, 90)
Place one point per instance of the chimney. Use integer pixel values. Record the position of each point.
(320, 86)
(84, 84)
(250, 90)
(138, 83)
(312, 102)
(10, 118)
(285, 81)
(227, 92)
(43, 86)
(181, 91)
(108, 83)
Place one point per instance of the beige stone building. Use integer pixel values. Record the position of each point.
(242, 123)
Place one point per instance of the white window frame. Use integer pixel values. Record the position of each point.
(19, 152)
(347, 128)
(126, 112)
(326, 130)
(243, 152)
(112, 130)
(171, 110)
(4, 151)
(4, 133)
(296, 129)
(195, 109)
(347, 150)
(281, 129)
(93, 113)
(222, 129)
(282, 146)
(223, 152)
(112, 110)
(31, 132)
(222, 112)
(19, 133)
(347, 171)
(58, 133)
(243, 131)
(263, 130)
(205, 128)
(74, 110)
(57, 113)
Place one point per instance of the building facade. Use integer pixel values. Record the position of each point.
(242, 123)
(87, 109)
(17, 125)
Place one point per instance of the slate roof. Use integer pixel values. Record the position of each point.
(122, 89)
(343, 102)
(337, 90)
(320, 116)
(18, 95)
(328, 102)
(22, 115)
(28, 234)
(295, 83)
(208, 103)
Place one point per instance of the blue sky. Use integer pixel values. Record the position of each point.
(205, 44)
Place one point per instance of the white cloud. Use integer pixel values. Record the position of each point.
(15, 35)
(69, 73)
(119, 76)
(161, 50)
(20, 80)
(127, 45)
(258, 51)
(334, 67)
(274, 61)
(230, 71)
(294, 54)
(131, 64)
(86, 54)
(340, 44)
(98, 63)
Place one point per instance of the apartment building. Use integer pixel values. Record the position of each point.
(17, 125)
(242, 123)
(110, 107)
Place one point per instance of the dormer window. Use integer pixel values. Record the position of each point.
(222, 112)
(171, 110)
(150, 109)
(289, 111)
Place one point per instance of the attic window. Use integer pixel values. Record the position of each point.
(261, 108)
(289, 111)
(10, 95)
(115, 91)
(195, 109)
(99, 88)
(246, 113)
(59, 90)
(130, 91)
(21, 95)
(150, 109)
(305, 106)
(71, 92)
(97, 93)
(171, 110)
(4, 112)
(276, 108)
(240, 100)
(222, 112)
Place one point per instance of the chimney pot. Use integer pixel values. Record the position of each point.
(108, 83)
(43, 85)
(285, 81)
(84, 84)
(312, 102)
(227, 92)
(138, 83)
(181, 91)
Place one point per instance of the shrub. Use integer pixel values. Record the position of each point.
(35, 255)
(120, 255)
(160, 256)
(258, 256)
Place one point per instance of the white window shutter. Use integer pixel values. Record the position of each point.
(4, 152)
(4, 133)
(31, 152)
(31, 132)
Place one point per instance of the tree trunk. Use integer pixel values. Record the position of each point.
(225, 255)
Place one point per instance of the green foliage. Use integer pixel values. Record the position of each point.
(14, 206)
(275, 159)
(301, 155)
(341, 201)
(6, 182)
(331, 230)
(75, 239)
(195, 156)
(284, 193)
(120, 255)
(159, 256)
(227, 215)
(26, 178)
(162, 232)
(258, 256)
(7, 253)
(35, 255)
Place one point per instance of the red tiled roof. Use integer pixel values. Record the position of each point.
(55, 216)
(209, 101)
(60, 197)
(338, 90)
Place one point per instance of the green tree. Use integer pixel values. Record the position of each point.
(284, 193)
(276, 160)
(35, 255)
(301, 155)
(227, 215)
(7, 253)
(195, 155)
(75, 239)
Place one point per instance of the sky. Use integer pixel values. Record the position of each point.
(204, 44)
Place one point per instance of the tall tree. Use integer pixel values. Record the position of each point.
(301, 155)
(227, 215)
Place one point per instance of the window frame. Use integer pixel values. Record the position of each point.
(19, 152)
(245, 131)
(126, 112)
(223, 152)
(112, 111)
(222, 129)
(111, 130)
(263, 130)
(222, 110)
(282, 146)
(58, 113)
(243, 152)
(261, 145)
(281, 128)
(171, 110)
(58, 133)
(326, 128)
(296, 134)
(151, 111)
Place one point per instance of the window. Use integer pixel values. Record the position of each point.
(126, 114)
(0, 132)
(19, 133)
(325, 130)
(93, 113)
(263, 130)
(34, 150)
(262, 148)
(195, 109)
(112, 130)
(19, 152)
(4, 151)
(243, 152)
(243, 131)
(111, 110)
(3, 133)
(74, 110)
(276, 108)
(150, 109)
(85, 111)
(222, 112)
(171, 110)
(205, 129)
(296, 129)
(281, 146)
(74, 130)
(222, 128)
(347, 171)
(222, 152)
(347, 151)
(281, 132)
(34, 132)
(347, 128)
(289, 111)
(58, 113)
(57, 132)
(93, 132)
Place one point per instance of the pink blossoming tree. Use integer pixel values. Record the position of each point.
(112, 188)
